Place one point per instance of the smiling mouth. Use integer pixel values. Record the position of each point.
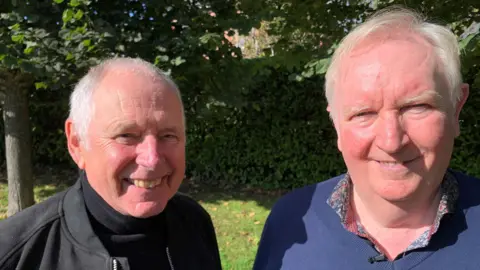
(148, 184)
(395, 163)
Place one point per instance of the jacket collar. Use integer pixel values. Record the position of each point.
(77, 221)
(79, 228)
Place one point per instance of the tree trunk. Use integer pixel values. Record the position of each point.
(17, 145)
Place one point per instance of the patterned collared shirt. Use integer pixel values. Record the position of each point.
(340, 202)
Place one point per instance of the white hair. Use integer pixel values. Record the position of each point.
(387, 22)
(82, 106)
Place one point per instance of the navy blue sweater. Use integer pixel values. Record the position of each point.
(304, 232)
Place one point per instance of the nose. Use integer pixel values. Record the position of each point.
(148, 153)
(390, 134)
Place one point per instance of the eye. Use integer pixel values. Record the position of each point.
(127, 138)
(169, 136)
(416, 108)
(127, 135)
(363, 116)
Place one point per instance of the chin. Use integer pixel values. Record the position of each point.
(146, 209)
(397, 193)
(396, 198)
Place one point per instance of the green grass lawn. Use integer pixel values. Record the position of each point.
(238, 218)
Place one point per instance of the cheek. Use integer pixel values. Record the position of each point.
(356, 141)
(118, 157)
(176, 156)
(430, 133)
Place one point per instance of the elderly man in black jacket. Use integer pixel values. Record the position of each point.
(126, 133)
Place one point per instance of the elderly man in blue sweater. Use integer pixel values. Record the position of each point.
(395, 94)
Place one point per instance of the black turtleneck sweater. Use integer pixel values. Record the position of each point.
(142, 241)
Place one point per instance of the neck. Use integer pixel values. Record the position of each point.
(395, 225)
(108, 220)
(389, 215)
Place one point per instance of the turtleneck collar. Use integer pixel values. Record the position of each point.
(112, 222)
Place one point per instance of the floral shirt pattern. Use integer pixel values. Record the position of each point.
(339, 200)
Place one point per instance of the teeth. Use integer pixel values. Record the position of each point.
(390, 163)
(147, 184)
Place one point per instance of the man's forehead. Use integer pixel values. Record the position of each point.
(123, 84)
(133, 94)
(378, 62)
(390, 53)
(380, 37)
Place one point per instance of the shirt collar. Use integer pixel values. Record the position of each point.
(340, 198)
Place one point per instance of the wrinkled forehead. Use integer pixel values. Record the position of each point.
(132, 89)
(386, 63)
(394, 52)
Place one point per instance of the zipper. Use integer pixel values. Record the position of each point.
(169, 258)
(115, 264)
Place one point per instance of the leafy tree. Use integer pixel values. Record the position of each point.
(309, 31)
(230, 96)
(47, 44)
(184, 38)
(34, 47)
(21, 50)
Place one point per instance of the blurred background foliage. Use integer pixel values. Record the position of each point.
(250, 73)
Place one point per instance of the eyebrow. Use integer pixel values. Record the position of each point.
(422, 97)
(172, 129)
(355, 109)
(122, 126)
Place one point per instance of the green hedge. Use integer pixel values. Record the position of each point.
(279, 137)
(466, 156)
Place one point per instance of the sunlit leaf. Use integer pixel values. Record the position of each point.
(15, 27)
(67, 15)
(18, 38)
(78, 15)
(74, 3)
(178, 61)
(41, 85)
(69, 56)
(28, 50)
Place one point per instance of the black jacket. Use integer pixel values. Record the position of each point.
(56, 234)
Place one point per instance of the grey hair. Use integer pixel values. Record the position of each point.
(82, 107)
(386, 21)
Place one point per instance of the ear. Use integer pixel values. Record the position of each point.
(329, 109)
(339, 143)
(75, 147)
(465, 91)
(332, 118)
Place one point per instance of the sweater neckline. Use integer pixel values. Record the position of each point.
(108, 220)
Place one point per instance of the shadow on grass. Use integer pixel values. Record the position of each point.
(216, 196)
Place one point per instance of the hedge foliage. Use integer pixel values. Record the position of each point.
(257, 123)
(281, 137)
